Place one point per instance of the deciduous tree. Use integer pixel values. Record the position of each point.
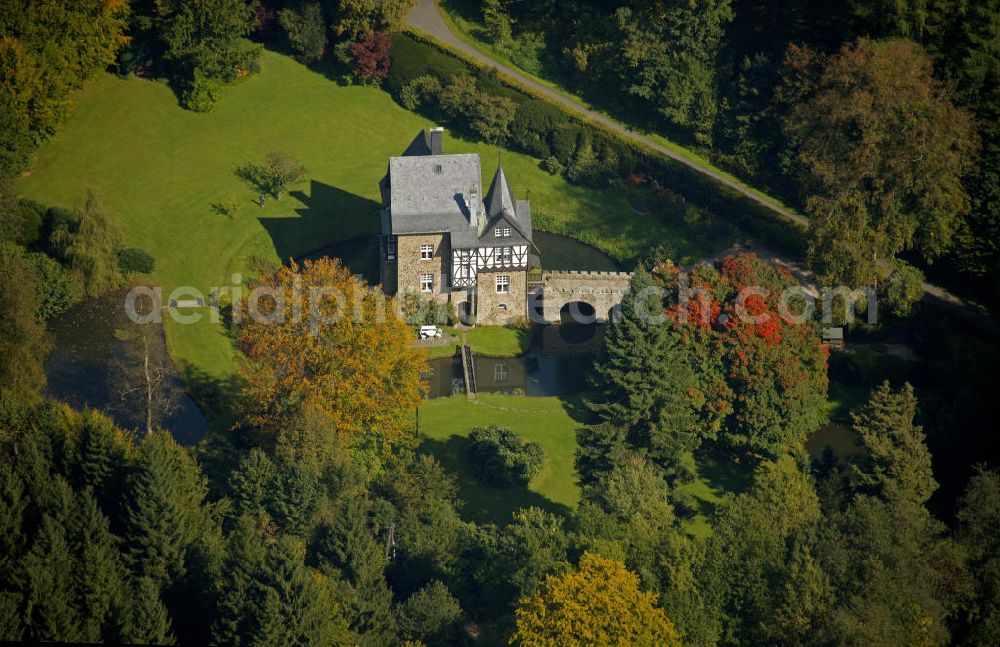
(347, 355)
(600, 603)
(886, 150)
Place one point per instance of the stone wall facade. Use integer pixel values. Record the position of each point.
(500, 309)
(409, 265)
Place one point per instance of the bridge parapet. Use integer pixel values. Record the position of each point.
(600, 289)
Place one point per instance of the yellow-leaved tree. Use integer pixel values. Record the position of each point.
(598, 604)
(320, 340)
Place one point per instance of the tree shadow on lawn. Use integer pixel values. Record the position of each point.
(483, 503)
(576, 407)
(330, 215)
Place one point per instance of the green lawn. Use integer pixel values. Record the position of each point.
(445, 423)
(161, 169)
(715, 476)
(493, 341)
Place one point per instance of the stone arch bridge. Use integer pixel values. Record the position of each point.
(560, 293)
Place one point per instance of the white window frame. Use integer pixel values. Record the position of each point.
(505, 255)
(502, 283)
(506, 232)
(426, 282)
(498, 232)
(426, 252)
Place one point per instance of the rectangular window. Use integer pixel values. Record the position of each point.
(506, 232)
(498, 232)
(503, 283)
(390, 249)
(426, 282)
(506, 255)
(426, 252)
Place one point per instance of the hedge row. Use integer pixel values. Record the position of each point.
(547, 131)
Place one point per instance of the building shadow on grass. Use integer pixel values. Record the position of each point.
(329, 215)
(483, 503)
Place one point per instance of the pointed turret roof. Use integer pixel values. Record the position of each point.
(500, 199)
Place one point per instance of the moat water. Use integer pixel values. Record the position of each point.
(558, 363)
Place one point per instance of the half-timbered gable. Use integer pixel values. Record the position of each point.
(426, 192)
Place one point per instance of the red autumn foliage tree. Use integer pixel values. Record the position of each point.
(762, 379)
(339, 351)
(372, 56)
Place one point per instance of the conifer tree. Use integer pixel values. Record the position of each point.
(642, 378)
(148, 622)
(162, 506)
(48, 607)
(348, 551)
(99, 576)
(100, 458)
(271, 598)
(900, 465)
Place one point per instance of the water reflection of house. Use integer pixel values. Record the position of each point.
(503, 375)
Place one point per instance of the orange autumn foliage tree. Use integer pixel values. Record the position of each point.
(323, 340)
(763, 375)
(599, 604)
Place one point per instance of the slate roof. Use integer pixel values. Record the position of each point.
(426, 191)
(502, 210)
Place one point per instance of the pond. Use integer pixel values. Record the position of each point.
(844, 442)
(82, 365)
(558, 363)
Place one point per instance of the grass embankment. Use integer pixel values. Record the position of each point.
(161, 169)
(445, 423)
(485, 340)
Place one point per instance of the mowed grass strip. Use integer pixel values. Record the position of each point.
(445, 424)
(161, 169)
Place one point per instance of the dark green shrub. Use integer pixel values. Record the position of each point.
(565, 140)
(305, 30)
(200, 94)
(28, 219)
(552, 165)
(57, 290)
(412, 59)
(502, 458)
(133, 259)
(903, 289)
(533, 126)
